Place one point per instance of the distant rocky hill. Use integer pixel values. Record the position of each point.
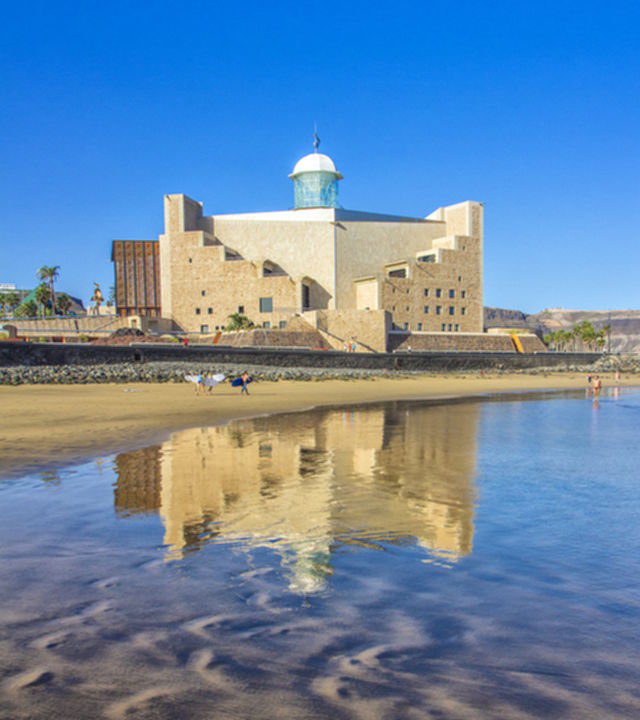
(625, 324)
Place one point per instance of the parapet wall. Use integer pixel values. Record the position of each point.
(38, 354)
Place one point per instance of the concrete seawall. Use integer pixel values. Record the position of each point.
(51, 354)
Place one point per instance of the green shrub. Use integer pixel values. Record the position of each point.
(239, 322)
(83, 337)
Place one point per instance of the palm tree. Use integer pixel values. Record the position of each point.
(64, 303)
(27, 309)
(50, 274)
(11, 300)
(42, 295)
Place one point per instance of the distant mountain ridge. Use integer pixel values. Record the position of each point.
(625, 324)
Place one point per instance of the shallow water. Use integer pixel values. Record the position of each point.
(477, 559)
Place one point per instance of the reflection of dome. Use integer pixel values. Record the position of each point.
(315, 181)
(315, 162)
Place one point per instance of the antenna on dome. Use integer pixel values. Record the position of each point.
(316, 139)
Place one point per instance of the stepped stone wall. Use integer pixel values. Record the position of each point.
(443, 342)
(532, 343)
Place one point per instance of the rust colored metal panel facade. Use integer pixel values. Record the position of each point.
(137, 277)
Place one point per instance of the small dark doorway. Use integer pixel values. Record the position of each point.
(306, 297)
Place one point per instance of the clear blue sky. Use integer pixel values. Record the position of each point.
(531, 107)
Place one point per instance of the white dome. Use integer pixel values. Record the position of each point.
(315, 162)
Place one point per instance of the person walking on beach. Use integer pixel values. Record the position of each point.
(597, 386)
(617, 377)
(245, 383)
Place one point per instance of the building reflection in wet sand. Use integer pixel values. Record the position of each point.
(304, 484)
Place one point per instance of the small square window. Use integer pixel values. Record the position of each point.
(459, 278)
(426, 292)
(407, 308)
(426, 309)
(282, 324)
(266, 324)
(407, 291)
(452, 310)
(449, 327)
(240, 309)
(204, 328)
(419, 327)
(456, 327)
(438, 292)
(438, 309)
(209, 311)
(190, 260)
(203, 292)
(266, 305)
(393, 307)
(444, 327)
(463, 311)
(463, 294)
(197, 311)
(452, 293)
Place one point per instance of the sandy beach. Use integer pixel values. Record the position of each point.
(43, 426)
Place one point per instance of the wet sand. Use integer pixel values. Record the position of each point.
(54, 425)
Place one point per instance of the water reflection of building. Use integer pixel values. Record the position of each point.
(306, 482)
(138, 487)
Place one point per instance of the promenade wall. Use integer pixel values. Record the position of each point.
(48, 354)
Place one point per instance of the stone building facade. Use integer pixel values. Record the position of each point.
(364, 273)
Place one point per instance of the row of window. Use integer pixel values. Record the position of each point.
(451, 310)
(446, 327)
(438, 292)
(266, 305)
(452, 293)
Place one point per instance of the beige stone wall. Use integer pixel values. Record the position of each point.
(458, 272)
(302, 249)
(367, 328)
(480, 342)
(276, 338)
(206, 288)
(450, 342)
(367, 294)
(363, 248)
